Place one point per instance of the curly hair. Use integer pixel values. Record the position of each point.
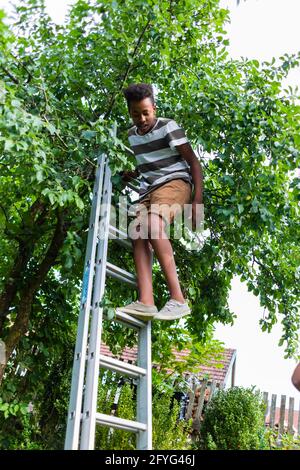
(137, 92)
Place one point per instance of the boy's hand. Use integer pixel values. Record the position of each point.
(197, 213)
(128, 175)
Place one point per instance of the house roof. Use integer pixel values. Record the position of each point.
(210, 372)
(214, 371)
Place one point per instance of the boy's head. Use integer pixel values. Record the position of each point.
(141, 105)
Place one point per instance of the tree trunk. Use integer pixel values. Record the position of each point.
(23, 255)
(20, 326)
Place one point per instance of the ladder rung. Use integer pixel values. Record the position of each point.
(119, 273)
(128, 320)
(120, 423)
(120, 366)
(129, 211)
(133, 186)
(120, 237)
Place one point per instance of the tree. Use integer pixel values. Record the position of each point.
(61, 93)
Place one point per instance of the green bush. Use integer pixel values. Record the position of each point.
(284, 442)
(168, 431)
(19, 431)
(234, 419)
(108, 438)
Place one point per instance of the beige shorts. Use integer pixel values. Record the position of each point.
(168, 200)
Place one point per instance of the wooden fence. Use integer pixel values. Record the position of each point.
(198, 398)
(194, 403)
(281, 418)
(285, 419)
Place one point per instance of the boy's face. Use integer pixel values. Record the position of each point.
(143, 114)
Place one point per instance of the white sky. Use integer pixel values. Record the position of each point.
(262, 29)
(259, 29)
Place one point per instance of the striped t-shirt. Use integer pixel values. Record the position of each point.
(158, 160)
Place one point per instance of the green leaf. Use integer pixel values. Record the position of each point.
(79, 202)
(8, 145)
(89, 134)
(240, 208)
(111, 313)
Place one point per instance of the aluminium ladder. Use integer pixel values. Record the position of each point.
(82, 414)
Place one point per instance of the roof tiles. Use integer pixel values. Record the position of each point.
(211, 372)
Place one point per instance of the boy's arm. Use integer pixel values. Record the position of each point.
(188, 154)
(296, 377)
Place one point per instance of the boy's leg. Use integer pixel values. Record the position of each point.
(144, 308)
(164, 253)
(142, 254)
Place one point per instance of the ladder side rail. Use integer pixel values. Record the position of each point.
(93, 361)
(75, 404)
(144, 389)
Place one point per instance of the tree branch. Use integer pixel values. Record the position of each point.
(267, 270)
(12, 77)
(5, 213)
(52, 252)
(14, 281)
(128, 69)
(30, 76)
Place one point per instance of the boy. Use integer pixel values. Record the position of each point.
(168, 168)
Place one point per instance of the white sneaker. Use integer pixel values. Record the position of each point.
(173, 310)
(140, 310)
